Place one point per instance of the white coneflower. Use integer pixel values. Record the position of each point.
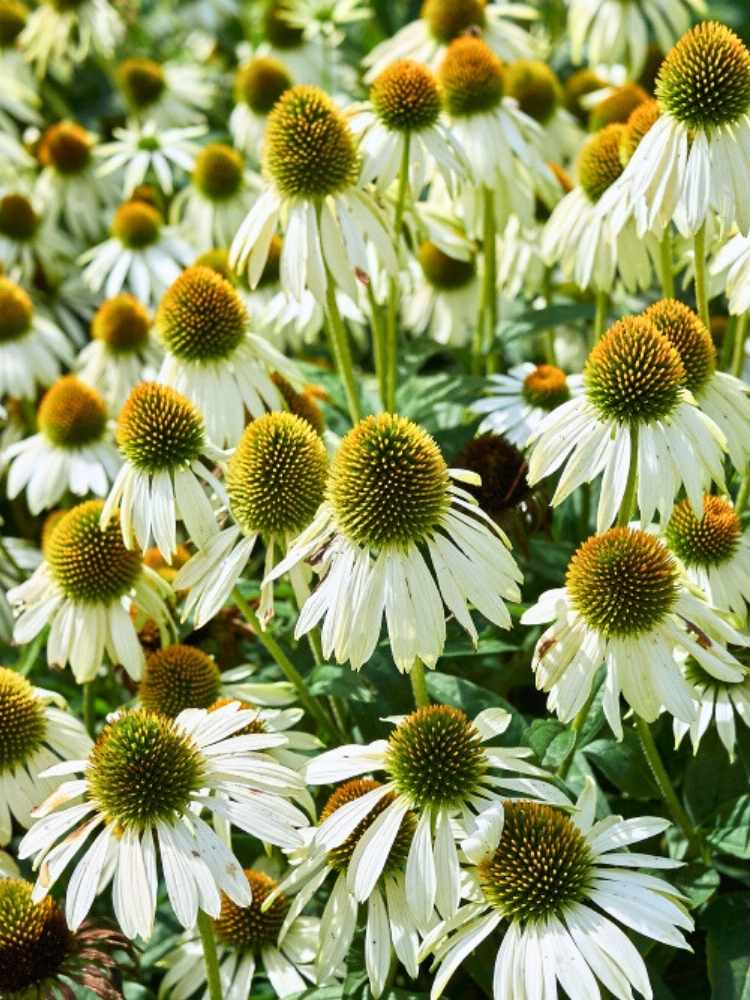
(714, 552)
(143, 786)
(35, 733)
(502, 145)
(162, 438)
(247, 940)
(40, 956)
(634, 409)
(559, 885)
(715, 701)
(536, 88)
(442, 21)
(390, 927)
(68, 182)
(604, 33)
(720, 395)
(517, 403)
(60, 34)
(625, 605)
(446, 295)
(210, 209)
(391, 501)
(583, 239)
(311, 163)
(29, 238)
(19, 100)
(72, 449)
(438, 768)
(323, 19)
(692, 161)
(168, 94)
(211, 356)
(32, 349)
(308, 60)
(139, 150)
(142, 255)
(258, 85)
(88, 589)
(403, 118)
(275, 483)
(121, 350)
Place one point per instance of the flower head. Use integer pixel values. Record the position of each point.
(13, 16)
(142, 82)
(16, 311)
(706, 541)
(72, 414)
(136, 224)
(122, 323)
(66, 147)
(201, 317)
(218, 171)
(261, 82)
(159, 429)
(535, 86)
(599, 163)
(471, 77)
(617, 106)
(443, 271)
(405, 97)
(446, 20)
(179, 677)
(18, 219)
(690, 338)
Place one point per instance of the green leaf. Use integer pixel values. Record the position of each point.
(472, 698)
(342, 681)
(698, 882)
(711, 781)
(731, 830)
(534, 321)
(624, 765)
(728, 946)
(550, 741)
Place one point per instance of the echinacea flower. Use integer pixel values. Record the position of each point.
(247, 943)
(71, 451)
(442, 21)
(40, 956)
(19, 100)
(143, 787)
(634, 408)
(121, 350)
(35, 733)
(517, 403)
(539, 94)
(692, 161)
(59, 35)
(390, 502)
(715, 701)
(86, 589)
(258, 84)
(403, 118)
(589, 248)
(162, 438)
(68, 182)
(311, 165)
(389, 927)
(439, 768)
(714, 552)
(721, 396)
(29, 239)
(446, 295)
(604, 33)
(142, 255)
(140, 150)
(169, 94)
(275, 483)
(32, 348)
(625, 606)
(212, 358)
(559, 886)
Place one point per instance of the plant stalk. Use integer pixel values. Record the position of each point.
(210, 956)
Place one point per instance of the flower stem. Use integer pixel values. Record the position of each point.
(419, 684)
(210, 956)
(666, 262)
(487, 325)
(576, 727)
(742, 494)
(89, 714)
(738, 347)
(379, 346)
(627, 507)
(342, 352)
(701, 286)
(391, 341)
(308, 701)
(600, 317)
(665, 786)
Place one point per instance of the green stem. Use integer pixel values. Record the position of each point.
(701, 284)
(627, 507)
(666, 262)
(89, 713)
(393, 290)
(308, 702)
(379, 345)
(28, 660)
(210, 956)
(600, 317)
(665, 786)
(742, 494)
(488, 311)
(342, 352)
(738, 347)
(419, 684)
(576, 727)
